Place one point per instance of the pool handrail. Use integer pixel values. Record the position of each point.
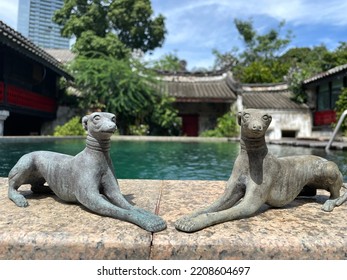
(342, 117)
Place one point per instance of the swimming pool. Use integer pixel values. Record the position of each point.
(159, 159)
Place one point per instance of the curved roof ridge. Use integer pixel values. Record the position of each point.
(275, 87)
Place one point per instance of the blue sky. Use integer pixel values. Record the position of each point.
(195, 27)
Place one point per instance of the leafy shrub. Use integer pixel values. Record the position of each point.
(139, 130)
(71, 128)
(341, 105)
(226, 127)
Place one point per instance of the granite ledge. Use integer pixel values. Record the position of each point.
(50, 229)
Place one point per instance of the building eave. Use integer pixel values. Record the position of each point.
(19, 43)
(338, 70)
(192, 88)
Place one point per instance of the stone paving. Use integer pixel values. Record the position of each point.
(51, 229)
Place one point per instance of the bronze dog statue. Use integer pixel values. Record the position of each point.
(259, 177)
(87, 178)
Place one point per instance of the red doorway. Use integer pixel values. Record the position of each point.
(190, 125)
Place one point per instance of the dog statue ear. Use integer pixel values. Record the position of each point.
(239, 115)
(85, 122)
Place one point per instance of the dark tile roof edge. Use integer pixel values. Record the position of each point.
(325, 74)
(30, 49)
(284, 98)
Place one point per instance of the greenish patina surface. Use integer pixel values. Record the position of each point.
(259, 177)
(87, 178)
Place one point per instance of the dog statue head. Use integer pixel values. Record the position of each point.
(253, 122)
(100, 125)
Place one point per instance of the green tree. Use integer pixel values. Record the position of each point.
(169, 62)
(135, 25)
(304, 63)
(107, 26)
(314, 58)
(226, 126)
(341, 106)
(122, 86)
(258, 62)
(336, 57)
(265, 47)
(164, 118)
(224, 61)
(108, 77)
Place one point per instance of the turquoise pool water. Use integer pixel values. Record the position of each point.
(161, 160)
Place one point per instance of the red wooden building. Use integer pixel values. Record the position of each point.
(323, 91)
(29, 84)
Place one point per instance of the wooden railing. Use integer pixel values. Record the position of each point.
(324, 117)
(28, 99)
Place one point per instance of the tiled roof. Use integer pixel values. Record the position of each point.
(272, 96)
(18, 42)
(62, 55)
(328, 73)
(200, 88)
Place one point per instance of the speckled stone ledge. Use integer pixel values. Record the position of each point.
(299, 231)
(50, 229)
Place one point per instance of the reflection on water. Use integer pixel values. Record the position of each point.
(162, 160)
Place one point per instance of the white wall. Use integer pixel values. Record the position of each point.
(290, 120)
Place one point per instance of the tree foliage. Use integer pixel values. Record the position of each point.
(341, 106)
(226, 127)
(106, 74)
(106, 26)
(336, 57)
(224, 60)
(306, 62)
(122, 86)
(135, 26)
(264, 47)
(71, 128)
(258, 62)
(169, 62)
(263, 61)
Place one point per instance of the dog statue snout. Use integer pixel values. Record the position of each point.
(257, 127)
(111, 126)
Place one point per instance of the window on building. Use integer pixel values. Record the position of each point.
(323, 97)
(328, 93)
(336, 88)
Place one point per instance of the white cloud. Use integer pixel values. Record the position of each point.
(207, 24)
(8, 12)
(293, 11)
(196, 27)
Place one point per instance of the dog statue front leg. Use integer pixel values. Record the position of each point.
(234, 191)
(97, 203)
(247, 207)
(112, 191)
(113, 194)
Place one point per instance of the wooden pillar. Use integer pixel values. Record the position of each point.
(3, 116)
